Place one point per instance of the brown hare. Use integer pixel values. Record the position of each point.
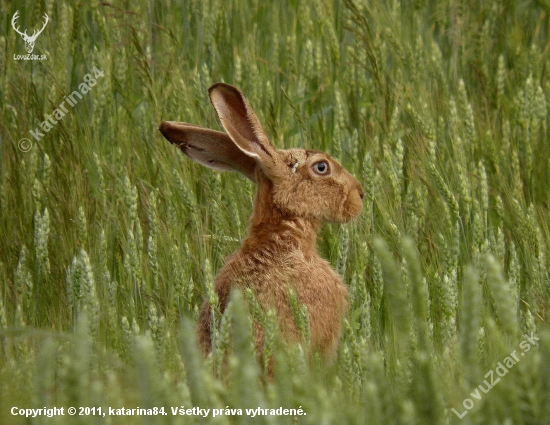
(298, 189)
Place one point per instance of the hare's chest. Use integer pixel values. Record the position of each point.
(321, 289)
(264, 272)
(314, 283)
(318, 288)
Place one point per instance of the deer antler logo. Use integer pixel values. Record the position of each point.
(29, 40)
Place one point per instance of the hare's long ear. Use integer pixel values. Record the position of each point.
(211, 148)
(244, 128)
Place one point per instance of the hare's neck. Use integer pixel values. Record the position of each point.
(269, 226)
(288, 234)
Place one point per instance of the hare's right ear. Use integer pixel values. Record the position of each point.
(211, 148)
(244, 128)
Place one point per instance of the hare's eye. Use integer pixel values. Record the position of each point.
(321, 168)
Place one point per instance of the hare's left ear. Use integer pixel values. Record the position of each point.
(242, 125)
(210, 148)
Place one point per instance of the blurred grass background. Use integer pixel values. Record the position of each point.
(109, 236)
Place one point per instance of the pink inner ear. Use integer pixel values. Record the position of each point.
(242, 125)
(231, 107)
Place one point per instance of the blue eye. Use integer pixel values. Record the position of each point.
(321, 168)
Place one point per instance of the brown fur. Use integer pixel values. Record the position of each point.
(291, 202)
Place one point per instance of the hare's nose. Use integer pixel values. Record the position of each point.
(360, 190)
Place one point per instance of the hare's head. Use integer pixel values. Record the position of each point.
(302, 183)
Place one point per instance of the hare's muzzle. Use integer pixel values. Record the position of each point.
(353, 204)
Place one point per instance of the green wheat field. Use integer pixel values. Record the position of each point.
(110, 237)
